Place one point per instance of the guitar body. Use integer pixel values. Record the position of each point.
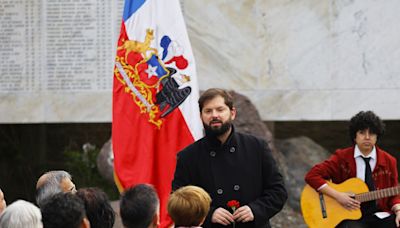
(311, 205)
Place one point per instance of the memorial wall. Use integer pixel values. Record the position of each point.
(56, 60)
(296, 60)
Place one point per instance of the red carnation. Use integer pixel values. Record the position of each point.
(233, 204)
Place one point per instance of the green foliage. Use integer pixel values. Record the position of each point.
(83, 168)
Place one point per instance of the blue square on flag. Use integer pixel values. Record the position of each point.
(155, 68)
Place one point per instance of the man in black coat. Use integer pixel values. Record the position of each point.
(231, 166)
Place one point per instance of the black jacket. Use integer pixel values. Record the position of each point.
(242, 169)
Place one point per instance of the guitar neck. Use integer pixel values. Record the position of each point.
(378, 194)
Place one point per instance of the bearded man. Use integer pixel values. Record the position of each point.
(231, 166)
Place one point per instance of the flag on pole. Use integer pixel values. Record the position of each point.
(155, 93)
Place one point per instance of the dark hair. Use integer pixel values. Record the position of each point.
(366, 120)
(138, 206)
(214, 92)
(63, 210)
(98, 208)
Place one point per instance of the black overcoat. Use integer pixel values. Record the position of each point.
(242, 169)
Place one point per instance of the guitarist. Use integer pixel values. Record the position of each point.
(365, 129)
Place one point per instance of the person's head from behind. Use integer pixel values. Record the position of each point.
(139, 207)
(97, 206)
(21, 214)
(216, 111)
(64, 210)
(51, 183)
(365, 129)
(188, 206)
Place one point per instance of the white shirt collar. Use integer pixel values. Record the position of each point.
(357, 153)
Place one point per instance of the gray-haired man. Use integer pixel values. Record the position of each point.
(52, 183)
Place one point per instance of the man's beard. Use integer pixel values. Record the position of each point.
(217, 131)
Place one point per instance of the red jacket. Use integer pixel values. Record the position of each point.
(342, 166)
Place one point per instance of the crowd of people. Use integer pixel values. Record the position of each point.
(60, 205)
(225, 179)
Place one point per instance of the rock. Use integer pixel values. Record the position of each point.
(249, 121)
(105, 162)
(300, 155)
(287, 218)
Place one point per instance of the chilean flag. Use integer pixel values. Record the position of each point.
(155, 94)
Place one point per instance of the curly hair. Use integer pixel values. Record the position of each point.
(63, 210)
(366, 120)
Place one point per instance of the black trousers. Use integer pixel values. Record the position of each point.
(370, 221)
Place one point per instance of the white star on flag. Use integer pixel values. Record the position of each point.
(151, 71)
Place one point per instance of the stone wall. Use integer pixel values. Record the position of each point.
(300, 60)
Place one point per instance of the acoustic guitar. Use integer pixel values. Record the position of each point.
(322, 211)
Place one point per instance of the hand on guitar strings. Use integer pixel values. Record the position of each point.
(347, 201)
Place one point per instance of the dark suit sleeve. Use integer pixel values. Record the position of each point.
(181, 176)
(274, 193)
